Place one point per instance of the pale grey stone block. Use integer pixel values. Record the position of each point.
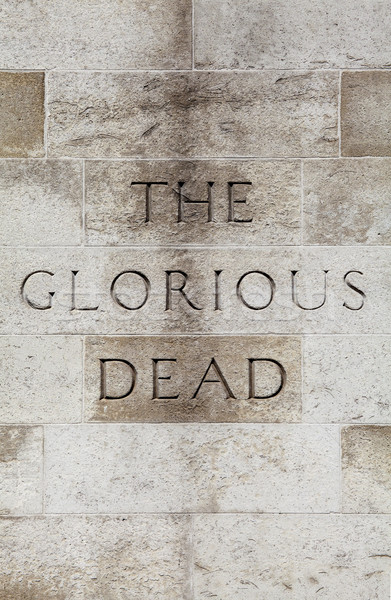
(347, 202)
(41, 379)
(295, 556)
(86, 558)
(112, 468)
(347, 379)
(366, 114)
(21, 462)
(40, 203)
(242, 290)
(366, 476)
(68, 34)
(256, 34)
(163, 115)
(164, 379)
(22, 114)
(193, 202)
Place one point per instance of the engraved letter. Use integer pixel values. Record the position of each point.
(157, 378)
(182, 199)
(103, 378)
(73, 303)
(221, 379)
(180, 289)
(294, 292)
(232, 202)
(240, 294)
(217, 290)
(148, 196)
(143, 278)
(353, 287)
(251, 393)
(31, 302)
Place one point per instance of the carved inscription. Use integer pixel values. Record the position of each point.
(193, 378)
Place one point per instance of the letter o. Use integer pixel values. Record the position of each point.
(147, 285)
(240, 294)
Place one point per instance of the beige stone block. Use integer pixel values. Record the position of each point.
(21, 471)
(40, 203)
(165, 115)
(347, 202)
(366, 114)
(22, 114)
(111, 558)
(121, 34)
(254, 34)
(192, 202)
(235, 291)
(164, 379)
(41, 379)
(113, 468)
(294, 556)
(366, 474)
(346, 379)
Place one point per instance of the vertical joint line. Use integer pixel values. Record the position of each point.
(46, 115)
(339, 113)
(192, 36)
(83, 346)
(43, 470)
(340, 470)
(83, 204)
(301, 202)
(191, 559)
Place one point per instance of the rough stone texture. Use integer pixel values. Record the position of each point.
(40, 203)
(41, 379)
(21, 473)
(366, 114)
(193, 355)
(291, 556)
(21, 114)
(161, 115)
(95, 34)
(366, 473)
(347, 379)
(116, 209)
(347, 202)
(91, 558)
(280, 35)
(97, 468)
(345, 309)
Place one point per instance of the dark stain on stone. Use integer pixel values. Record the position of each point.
(12, 440)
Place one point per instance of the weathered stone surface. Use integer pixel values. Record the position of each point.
(68, 34)
(280, 35)
(191, 468)
(295, 556)
(41, 379)
(21, 114)
(231, 298)
(119, 210)
(366, 114)
(366, 474)
(347, 379)
(21, 451)
(160, 368)
(162, 115)
(347, 201)
(40, 203)
(86, 558)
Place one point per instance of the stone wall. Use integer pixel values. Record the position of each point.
(195, 308)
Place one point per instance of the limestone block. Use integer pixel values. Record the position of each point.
(41, 379)
(121, 468)
(90, 557)
(366, 475)
(193, 202)
(193, 114)
(366, 114)
(256, 34)
(22, 114)
(185, 379)
(40, 203)
(296, 556)
(346, 379)
(21, 459)
(95, 34)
